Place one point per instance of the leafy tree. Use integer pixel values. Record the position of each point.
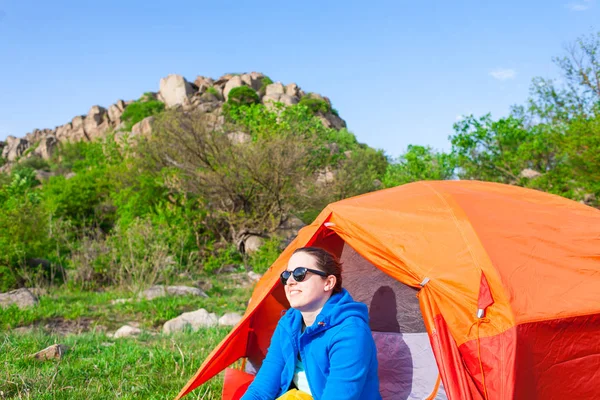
(417, 164)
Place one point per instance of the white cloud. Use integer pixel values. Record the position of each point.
(503, 74)
(580, 6)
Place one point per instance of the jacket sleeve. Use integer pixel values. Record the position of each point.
(267, 382)
(350, 356)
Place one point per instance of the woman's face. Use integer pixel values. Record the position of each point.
(314, 291)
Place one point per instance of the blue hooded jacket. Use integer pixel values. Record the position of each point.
(338, 353)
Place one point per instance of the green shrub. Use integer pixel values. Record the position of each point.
(242, 95)
(146, 106)
(212, 90)
(315, 105)
(266, 255)
(223, 256)
(34, 162)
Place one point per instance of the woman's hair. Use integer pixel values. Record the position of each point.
(326, 262)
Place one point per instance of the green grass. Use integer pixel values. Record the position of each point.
(96, 366)
(74, 305)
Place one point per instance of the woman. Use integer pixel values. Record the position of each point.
(322, 346)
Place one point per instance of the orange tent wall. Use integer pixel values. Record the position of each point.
(533, 248)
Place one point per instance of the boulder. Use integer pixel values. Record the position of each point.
(239, 137)
(234, 82)
(22, 298)
(254, 81)
(62, 132)
(114, 114)
(161, 291)
(254, 276)
(174, 89)
(290, 227)
(46, 147)
(127, 331)
(203, 83)
(14, 148)
(253, 243)
(529, 173)
(208, 98)
(77, 132)
(292, 90)
(43, 175)
(288, 100)
(56, 351)
(195, 320)
(143, 128)
(275, 89)
(185, 291)
(230, 319)
(153, 292)
(325, 176)
(96, 123)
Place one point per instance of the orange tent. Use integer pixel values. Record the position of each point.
(508, 284)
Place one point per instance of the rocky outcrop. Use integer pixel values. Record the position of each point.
(14, 148)
(204, 94)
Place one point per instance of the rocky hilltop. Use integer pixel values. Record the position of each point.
(205, 93)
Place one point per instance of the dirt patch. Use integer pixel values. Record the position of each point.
(61, 326)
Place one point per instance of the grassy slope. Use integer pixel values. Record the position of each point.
(151, 366)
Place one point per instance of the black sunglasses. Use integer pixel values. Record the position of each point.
(299, 274)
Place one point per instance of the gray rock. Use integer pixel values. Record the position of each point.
(161, 291)
(14, 148)
(234, 82)
(115, 112)
(239, 137)
(56, 351)
(21, 297)
(331, 120)
(275, 89)
(529, 173)
(96, 123)
(43, 175)
(77, 132)
(174, 89)
(208, 98)
(195, 320)
(252, 243)
(288, 100)
(254, 276)
(46, 147)
(185, 291)
(143, 128)
(127, 331)
(292, 90)
(252, 80)
(230, 319)
(153, 292)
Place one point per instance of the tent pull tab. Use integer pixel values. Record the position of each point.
(424, 282)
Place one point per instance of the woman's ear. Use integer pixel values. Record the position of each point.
(330, 282)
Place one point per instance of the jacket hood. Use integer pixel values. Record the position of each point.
(338, 308)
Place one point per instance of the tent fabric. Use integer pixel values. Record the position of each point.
(539, 255)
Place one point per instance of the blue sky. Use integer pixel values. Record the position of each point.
(399, 72)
